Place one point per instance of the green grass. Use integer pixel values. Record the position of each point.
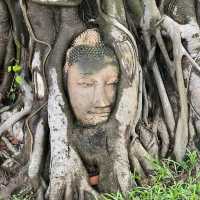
(171, 181)
(25, 194)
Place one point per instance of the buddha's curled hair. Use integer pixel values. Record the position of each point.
(88, 45)
(90, 37)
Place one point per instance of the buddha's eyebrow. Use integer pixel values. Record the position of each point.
(86, 73)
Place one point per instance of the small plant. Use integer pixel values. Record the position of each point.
(17, 70)
(17, 81)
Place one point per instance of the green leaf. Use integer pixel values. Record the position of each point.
(16, 68)
(19, 80)
(10, 68)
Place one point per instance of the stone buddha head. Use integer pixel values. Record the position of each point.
(92, 76)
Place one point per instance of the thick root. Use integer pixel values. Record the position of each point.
(36, 160)
(140, 159)
(74, 183)
(27, 100)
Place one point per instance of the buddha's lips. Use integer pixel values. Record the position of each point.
(100, 112)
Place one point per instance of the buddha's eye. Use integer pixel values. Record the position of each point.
(86, 84)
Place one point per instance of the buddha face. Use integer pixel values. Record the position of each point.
(92, 90)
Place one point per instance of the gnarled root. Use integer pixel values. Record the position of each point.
(27, 101)
(141, 160)
(4, 30)
(167, 24)
(74, 181)
(121, 165)
(7, 76)
(36, 159)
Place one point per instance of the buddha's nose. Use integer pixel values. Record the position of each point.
(101, 99)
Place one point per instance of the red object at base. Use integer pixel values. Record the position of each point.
(94, 180)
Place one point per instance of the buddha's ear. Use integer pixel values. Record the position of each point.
(65, 73)
(66, 67)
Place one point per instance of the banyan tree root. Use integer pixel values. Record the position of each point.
(181, 136)
(7, 76)
(169, 25)
(6, 50)
(189, 30)
(27, 102)
(42, 37)
(4, 30)
(36, 159)
(127, 110)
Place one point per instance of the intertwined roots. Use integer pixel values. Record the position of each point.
(41, 114)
